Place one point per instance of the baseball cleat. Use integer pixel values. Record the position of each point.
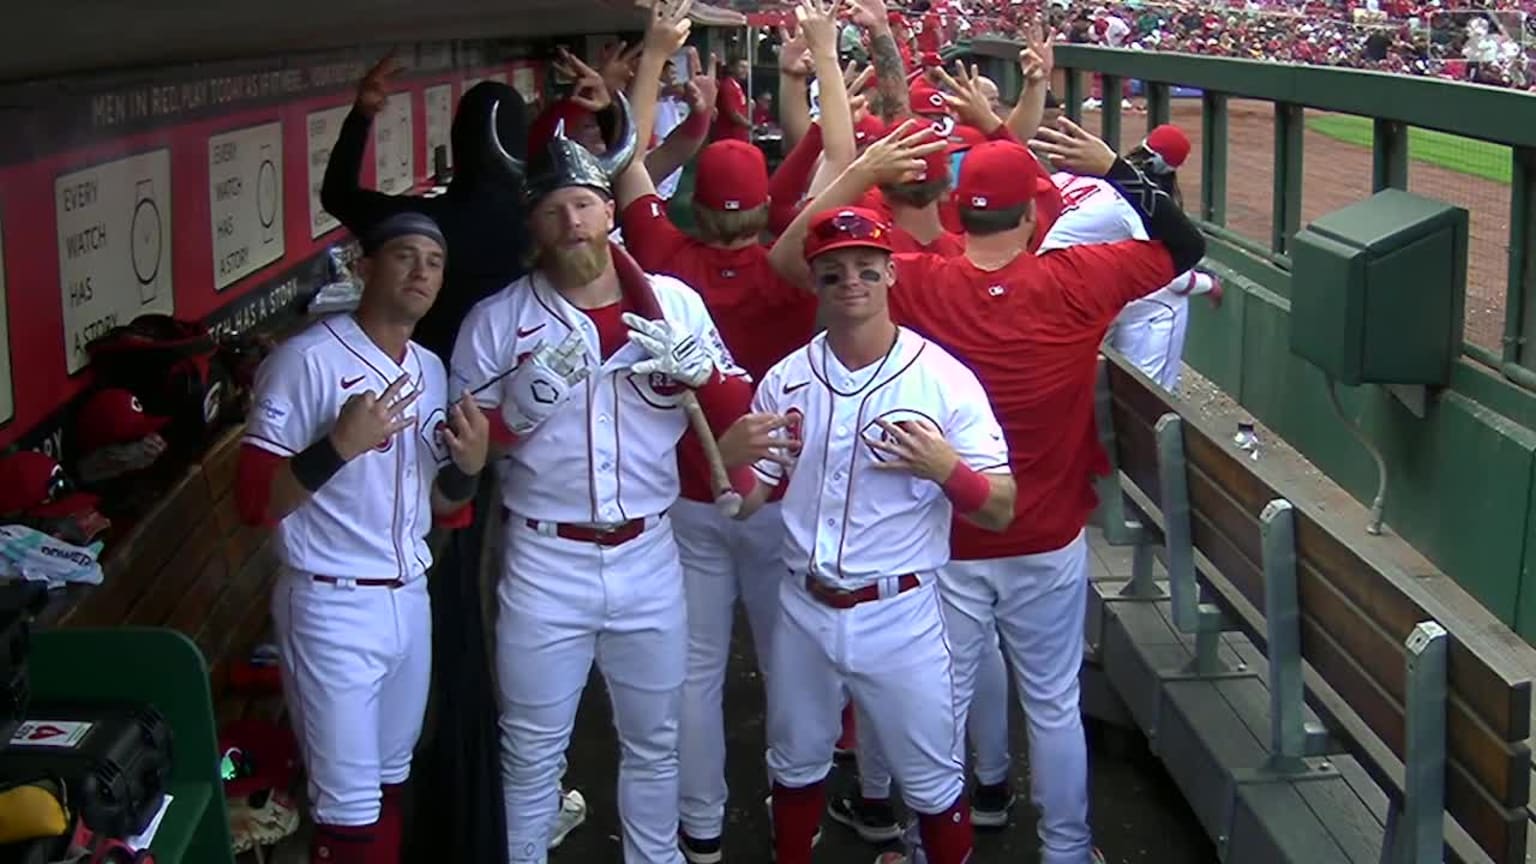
(991, 806)
(573, 812)
(873, 819)
(700, 851)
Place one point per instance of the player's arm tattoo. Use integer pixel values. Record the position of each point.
(890, 99)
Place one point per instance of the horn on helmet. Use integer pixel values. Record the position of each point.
(625, 144)
(514, 167)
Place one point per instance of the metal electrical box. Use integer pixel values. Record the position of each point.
(1376, 290)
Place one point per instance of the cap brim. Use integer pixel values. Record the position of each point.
(851, 244)
(70, 505)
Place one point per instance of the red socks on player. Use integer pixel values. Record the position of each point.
(796, 816)
(379, 843)
(947, 836)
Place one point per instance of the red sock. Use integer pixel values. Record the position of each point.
(391, 823)
(345, 844)
(796, 816)
(947, 836)
(850, 737)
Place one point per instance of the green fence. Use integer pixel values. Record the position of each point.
(1277, 146)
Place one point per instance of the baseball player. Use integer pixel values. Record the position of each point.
(1150, 331)
(1030, 326)
(895, 436)
(723, 559)
(352, 446)
(585, 361)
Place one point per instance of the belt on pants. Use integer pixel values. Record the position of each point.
(613, 534)
(844, 598)
(346, 582)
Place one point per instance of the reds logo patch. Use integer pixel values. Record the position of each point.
(873, 431)
(431, 431)
(663, 385)
(794, 426)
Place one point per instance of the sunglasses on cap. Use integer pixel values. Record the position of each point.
(59, 484)
(849, 226)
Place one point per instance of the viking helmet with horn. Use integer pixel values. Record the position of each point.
(562, 162)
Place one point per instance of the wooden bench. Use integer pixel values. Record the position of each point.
(1412, 685)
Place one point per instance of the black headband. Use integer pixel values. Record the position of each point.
(402, 225)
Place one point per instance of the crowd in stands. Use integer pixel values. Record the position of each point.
(1480, 41)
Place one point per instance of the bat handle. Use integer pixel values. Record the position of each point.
(727, 499)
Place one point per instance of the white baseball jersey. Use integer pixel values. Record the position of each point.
(370, 520)
(609, 454)
(846, 521)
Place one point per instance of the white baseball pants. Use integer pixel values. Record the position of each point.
(1038, 604)
(986, 727)
(723, 560)
(357, 662)
(893, 657)
(1150, 333)
(562, 605)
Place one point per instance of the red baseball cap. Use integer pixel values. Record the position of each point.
(965, 138)
(542, 129)
(867, 130)
(1169, 143)
(731, 176)
(935, 165)
(927, 100)
(114, 416)
(33, 484)
(846, 228)
(997, 175)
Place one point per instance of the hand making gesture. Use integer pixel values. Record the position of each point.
(1070, 147)
(703, 87)
(794, 56)
(368, 420)
(966, 96)
(818, 25)
(916, 446)
(755, 437)
(589, 91)
(373, 90)
(467, 435)
(1037, 59)
(899, 156)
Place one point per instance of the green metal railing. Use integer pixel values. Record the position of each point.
(1394, 103)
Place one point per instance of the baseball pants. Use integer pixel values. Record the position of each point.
(1150, 333)
(893, 657)
(723, 560)
(986, 727)
(563, 605)
(357, 662)
(1038, 604)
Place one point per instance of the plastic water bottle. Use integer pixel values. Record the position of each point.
(1247, 439)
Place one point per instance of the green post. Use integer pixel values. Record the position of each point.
(1289, 128)
(1074, 96)
(1519, 306)
(1213, 158)
(1159, 104)
(1111, 108)
(1389, 156)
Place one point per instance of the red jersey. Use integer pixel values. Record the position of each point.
(947, 244)
(1031, 333)
(730, 101)
(761, 317)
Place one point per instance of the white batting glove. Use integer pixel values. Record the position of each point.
(679, 356)
(542, 383)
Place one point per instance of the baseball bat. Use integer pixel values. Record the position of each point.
(633, 281)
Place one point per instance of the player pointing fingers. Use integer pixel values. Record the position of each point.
(754, 438)
(366, 420)
(916, 446)
(467, 435)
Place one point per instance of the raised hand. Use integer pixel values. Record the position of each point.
(1037, 59)
(616, 64)
(679, 356)
(368, 420)
(590, 91)
(915, 446)
(373, 89)
(1070, 147)
(966, 96)
(794, 56)
(899, 156)
(467, 435)
(542, 383)
(818, 24)
(667, 31)
(757, 437)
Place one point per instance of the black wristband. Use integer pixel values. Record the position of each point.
(317, 464)
(455, 484)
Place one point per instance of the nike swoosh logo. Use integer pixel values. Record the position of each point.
(529, 332)
(349, 383)
(790, 388)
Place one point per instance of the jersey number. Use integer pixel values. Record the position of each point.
(1074, 195)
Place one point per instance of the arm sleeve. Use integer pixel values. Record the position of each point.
(253, 484)
(286, 404)
(1164, 220)
(479, 357)
(1098, 279)
(765, 402)
(650, 236)
(973, 429)
(341, 192)
(790, 180)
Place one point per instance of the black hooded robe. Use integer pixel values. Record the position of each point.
(455, 809)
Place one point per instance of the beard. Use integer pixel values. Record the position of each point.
(577, 265)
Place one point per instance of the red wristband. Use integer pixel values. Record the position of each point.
(967, 489)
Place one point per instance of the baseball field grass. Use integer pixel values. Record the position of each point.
(1453, 152)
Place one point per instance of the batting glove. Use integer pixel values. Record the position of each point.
(679, 356)
(542, 383)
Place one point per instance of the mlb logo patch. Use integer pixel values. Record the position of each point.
(978, 201)
(732, 204)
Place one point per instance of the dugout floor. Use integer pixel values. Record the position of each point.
(1138, 814)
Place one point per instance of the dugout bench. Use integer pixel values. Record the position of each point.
(1315, 699)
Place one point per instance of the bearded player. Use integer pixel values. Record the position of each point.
(352, 447)
(585, 361)
(1030, 326)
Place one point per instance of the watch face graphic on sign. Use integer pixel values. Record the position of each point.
(145, 245)
(266, 195)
